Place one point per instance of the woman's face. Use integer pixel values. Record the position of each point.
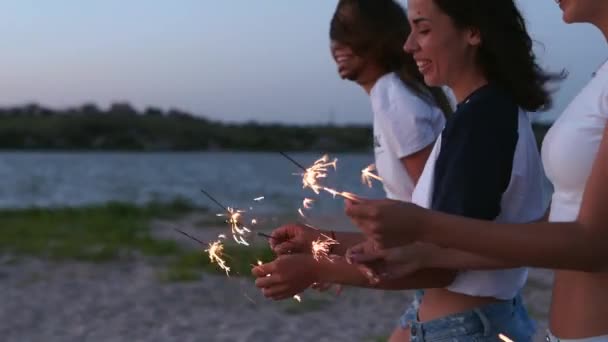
(442, 51)
(350, 66)
(583, 11)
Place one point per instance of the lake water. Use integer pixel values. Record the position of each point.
(51, 179)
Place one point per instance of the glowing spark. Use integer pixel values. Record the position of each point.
(321, 247)
(344, 194)
(298, 298)
(301, 213)
(259, 198)
(307, 203)
(254, 221)
(504, 338)
(319, 169)
(239, 231)
(367, 175)
(216, 250)
(221, 236)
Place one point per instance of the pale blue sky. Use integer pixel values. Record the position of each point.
(231, 60)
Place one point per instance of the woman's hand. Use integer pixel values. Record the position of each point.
(286, 276)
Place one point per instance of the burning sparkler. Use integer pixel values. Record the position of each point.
(238, 229)
(215, 250)
(504, 338)
(368, 174)
(318, 171)
(322, 246)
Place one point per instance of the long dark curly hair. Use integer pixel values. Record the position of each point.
(505, 53)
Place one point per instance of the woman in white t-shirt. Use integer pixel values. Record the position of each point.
(367, 38)
(574, 241)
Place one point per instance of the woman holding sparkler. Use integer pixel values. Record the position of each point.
(367, 38)
(485, 165)
(490, 115)
(575, 155)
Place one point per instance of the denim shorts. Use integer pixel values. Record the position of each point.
(482, 324)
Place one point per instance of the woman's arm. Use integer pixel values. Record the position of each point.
(580, 245)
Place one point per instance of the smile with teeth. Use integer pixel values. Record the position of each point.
(423, 64)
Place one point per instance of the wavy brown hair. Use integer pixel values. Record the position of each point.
(378, 29)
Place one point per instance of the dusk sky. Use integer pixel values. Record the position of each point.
(232, 60)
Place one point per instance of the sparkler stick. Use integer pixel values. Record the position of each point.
(238, 229)
(293, 161)
(215, 201)
(190, 236)
(265, 235)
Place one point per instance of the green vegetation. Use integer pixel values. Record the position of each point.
(111, 231)
(96, 233)
(121, 127)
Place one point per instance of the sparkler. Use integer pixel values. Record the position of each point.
(215, 250)
(321, 247)
(239, 231)
(504, 338)
(367, 175)
(319, 169)
(265, 235)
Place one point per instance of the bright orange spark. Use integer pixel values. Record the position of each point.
(322, 246)
(368, 174)
(504, 338)
(216, 251)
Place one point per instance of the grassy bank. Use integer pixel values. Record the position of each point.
(110, 232)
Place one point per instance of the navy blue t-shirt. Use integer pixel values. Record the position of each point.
(474, 165)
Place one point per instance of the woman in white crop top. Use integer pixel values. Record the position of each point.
(574, 241)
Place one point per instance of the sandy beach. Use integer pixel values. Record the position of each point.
(126, 300)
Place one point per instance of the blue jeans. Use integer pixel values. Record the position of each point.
(482, 324)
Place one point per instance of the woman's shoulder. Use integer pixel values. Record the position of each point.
(390, 96)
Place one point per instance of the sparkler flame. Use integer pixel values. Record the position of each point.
(216, 251)
(504, 338)
(258, 198)
(307, 203)
(238, 229)
(322, 246)
(319, 169)
(368, 174)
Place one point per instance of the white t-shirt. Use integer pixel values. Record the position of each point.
(571, 145)
(403, 125)
(523, 201)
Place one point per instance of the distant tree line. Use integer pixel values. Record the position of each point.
(122, 127)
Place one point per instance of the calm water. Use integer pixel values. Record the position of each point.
(75, 179)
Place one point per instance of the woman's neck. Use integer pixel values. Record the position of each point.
(466, 84)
